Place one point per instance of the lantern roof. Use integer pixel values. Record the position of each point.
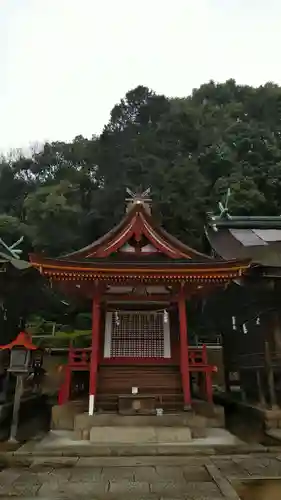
(22, 340)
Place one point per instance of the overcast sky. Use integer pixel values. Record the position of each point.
(66, 63)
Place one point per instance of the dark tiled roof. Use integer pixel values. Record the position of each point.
(244, 222)
(258, 238)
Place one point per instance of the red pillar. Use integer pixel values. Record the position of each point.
(94, 353)
(184, 358)
(64, 391)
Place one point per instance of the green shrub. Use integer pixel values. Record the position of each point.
(83, 321)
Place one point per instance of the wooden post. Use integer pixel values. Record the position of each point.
(5, 386)
(94, 353)
(243, 389)
(225, 359)
(226, 380)
(270, 377)
(260, 388)
(208, 376)
(16, 407)
(277, 330)
(184, 355)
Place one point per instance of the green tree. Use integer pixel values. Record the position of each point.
(53, 217)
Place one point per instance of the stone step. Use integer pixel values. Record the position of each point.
(196, 425)
(118, 496)
(139, 435)
(188, 419)
(45, 463)
(74, 416)
(56, 457)
(102, 455)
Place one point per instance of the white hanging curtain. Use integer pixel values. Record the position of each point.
(143, 334)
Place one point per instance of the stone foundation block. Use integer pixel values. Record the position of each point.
(173, 434)
(140, 435)
(63, 416)
(122, 435)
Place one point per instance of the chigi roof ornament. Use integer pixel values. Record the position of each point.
(224, 207)
(12, 251)
(140, 197)
(223, 211)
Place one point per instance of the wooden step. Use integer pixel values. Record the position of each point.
(108, 403)
(163, 381)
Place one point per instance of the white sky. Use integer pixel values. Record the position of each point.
(66, 63)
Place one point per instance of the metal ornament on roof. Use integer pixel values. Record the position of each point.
(224, 208)
(139, 196)
(13, 251)
(11, 255)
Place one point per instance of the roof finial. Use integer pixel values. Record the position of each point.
(13, 250)
(140, 197)
(224, 208)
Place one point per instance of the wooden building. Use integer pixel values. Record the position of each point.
(138, 279)
(252, 329)
(18, 280)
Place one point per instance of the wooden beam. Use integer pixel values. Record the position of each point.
(127, 297)
(117, 243)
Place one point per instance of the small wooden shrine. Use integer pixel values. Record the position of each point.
(17, 278)
(252, 341)
(139, 278)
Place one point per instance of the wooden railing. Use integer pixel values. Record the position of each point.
(257, 360)
(79, 359)
(198, 360)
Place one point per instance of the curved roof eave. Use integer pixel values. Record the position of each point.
(110, 236)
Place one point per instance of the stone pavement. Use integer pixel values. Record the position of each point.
(136, 478)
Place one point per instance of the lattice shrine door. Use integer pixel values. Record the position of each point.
(131, 334)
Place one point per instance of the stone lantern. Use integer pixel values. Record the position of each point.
(20, 365)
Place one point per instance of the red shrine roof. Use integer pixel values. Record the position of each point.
(139, 225)
(136, 247)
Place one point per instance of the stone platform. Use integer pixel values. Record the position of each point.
(59, 444)
(64, 417)
(188, 480)
(182, 427)
(270, 419)
(118, 435)
(146, 478)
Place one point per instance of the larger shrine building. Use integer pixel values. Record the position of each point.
(139, 279)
